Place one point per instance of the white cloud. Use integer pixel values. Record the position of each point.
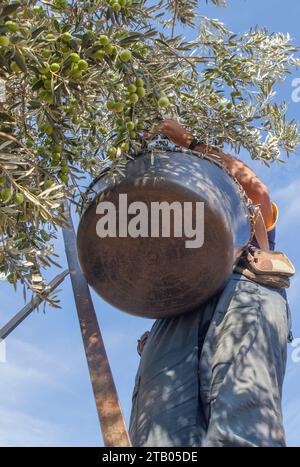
(40, 400)
(288, 199)
(18, 428)
(28, 366)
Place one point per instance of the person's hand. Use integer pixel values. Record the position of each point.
(174, 131)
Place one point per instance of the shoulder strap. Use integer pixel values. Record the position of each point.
(261, 232)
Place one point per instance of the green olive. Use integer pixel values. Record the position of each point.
(37, 9)
(46, 128)
(116, 7)
(18, 198)
(4, 41)
(130, 125)
(133, 98)
(139, 82)
(131, 88)
(55, 67)
(6, 194)
(112, 152)
(83, 65)
(74, 57)
(76, 119)
(56, 156)
(98, 55)
(118, 107)
(48, 184)
(50, 37)
(103, 40)
(15, 67)
(163, 102)
(125, 55)
(141, 92)
(66, 37)
(63, 177)
(108, 48)
(125, 146)
(47, 84)
(110, 105)
(12, 26)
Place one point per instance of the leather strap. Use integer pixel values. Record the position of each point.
(261, 232)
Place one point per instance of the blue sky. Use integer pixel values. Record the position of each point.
(45, 392)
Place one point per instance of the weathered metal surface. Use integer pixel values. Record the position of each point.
(112, 423)
(160, 277)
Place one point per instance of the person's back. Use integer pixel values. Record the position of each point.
(213, 377)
